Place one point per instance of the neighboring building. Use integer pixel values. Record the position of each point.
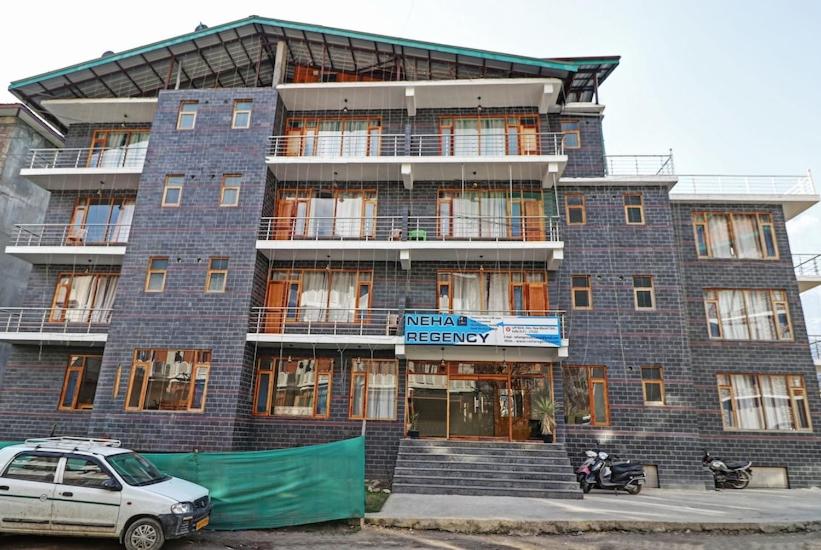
(269, 234)
(21, 201)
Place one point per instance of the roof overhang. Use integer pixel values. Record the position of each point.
(113, 109)
(26, 115)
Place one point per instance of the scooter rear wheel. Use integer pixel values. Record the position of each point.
(585, 487)
(633, 489)
(742, 481)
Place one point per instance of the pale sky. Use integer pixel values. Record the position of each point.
(731, 87)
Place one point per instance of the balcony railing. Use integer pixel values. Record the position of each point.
(103, 157)
(54, 320)
(639, 165)
(745, 185)
(807, 265)
(50, 234)
(411, 228)
(815, 347)
(416, 145)
(350, 321)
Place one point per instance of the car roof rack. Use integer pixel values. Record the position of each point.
(73, 443)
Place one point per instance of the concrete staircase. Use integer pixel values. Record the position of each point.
(439, 467)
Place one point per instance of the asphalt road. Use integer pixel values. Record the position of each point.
(343, 537)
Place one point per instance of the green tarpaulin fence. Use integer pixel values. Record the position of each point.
(264, 489)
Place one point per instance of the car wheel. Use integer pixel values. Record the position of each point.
(144, 534)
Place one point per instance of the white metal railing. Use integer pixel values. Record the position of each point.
(52, 234)
(815, 347)
(639, 165)
(352, 321)
(745, 185)
(411, 228)
(807, 265)
(132, 156)
(423, 145)
(54, 320)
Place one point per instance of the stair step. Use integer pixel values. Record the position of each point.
(501, 483)
(490, 451)
(532, 466)
(524, 475)
(481, 444)
(484, 491)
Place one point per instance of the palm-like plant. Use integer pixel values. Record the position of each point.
(545, 410)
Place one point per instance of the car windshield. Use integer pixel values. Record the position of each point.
(136, 470)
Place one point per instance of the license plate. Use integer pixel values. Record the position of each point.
(201, 523)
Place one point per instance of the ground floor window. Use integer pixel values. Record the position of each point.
(763, 402)
(80, 383)
(168, 380)
(374, 389)
(293, 387)
(585, 395)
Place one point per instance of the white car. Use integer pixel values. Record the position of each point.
(93, 488)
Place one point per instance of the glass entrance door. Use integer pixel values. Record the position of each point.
(478, 407)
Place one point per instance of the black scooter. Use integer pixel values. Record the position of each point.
(735, 475)
(599, 471)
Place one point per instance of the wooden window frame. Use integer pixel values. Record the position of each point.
(629, 207)
(213, 271)
(763, 220)
(659, 381)
(167, 186)
(99, 141)
(367, 225)
(651, 289)
(364, 374)
(587, 289)
(568, 207)
(774, 305)
(374, 141)
(577, 132)
(445, 196)
(526, 143)
(232, 187)
(79, 218)
(181, 113)
(444, 278)
(55, 310)
(795, 394)
(272, 386)
(591, 380)
(237, 111)
(202, 362)
(81, 370)
(151, 270)
(359, 282)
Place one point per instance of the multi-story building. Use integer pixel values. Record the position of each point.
(268, 234)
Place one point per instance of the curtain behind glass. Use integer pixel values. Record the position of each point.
(493, 207)
(466, 292)
(314, 295)
(343, 297)
(719, 235)
(348, 218)
(776, 402)
(746, 237)
(465, 137)
(320, 223)
(114, 155)
(105, 290)
(381, 391)
(329, 138)
(137, 147)
(79, 298)
(498, 300)
(733, 318)
(355, 139)
(762, 325)
(748, 401)
(122, 229)
(466, 208)
(492, 140)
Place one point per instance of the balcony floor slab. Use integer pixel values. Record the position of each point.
(84, 179)
(54, 338)
(75, 255)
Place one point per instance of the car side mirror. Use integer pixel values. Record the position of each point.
(112, 484)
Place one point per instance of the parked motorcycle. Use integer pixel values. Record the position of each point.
(598, 470)
(735, 475)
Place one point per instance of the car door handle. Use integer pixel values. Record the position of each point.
(67, 494)
(4, 487)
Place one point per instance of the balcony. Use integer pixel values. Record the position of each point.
(326, 327)
(807, 270)
(331, 328)
(99, 244)
(388, 157)
(86, 168)
(413, 238)
(632, 166)
(54, 326)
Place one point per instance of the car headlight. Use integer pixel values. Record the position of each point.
(182, 508)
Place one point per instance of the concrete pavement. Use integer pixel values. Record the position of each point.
(763, 510)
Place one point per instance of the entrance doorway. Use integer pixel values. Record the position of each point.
(493, 401)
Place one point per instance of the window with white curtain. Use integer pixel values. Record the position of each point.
(735, 235)
(84, 298)
(739, 314)
(493, 292)
(374, 387)
(333, 137)
(763, 402)
(118, 148)
(329, 295)
(465, 214)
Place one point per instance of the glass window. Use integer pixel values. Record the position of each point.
(187, 116)
(32, 467)
(585, 395)
(326, 295)
(571, 134)
(643, 292)
(493, 292)
(168, 380)
(634, 209)
(80, 384)
(652, 384)
(84, 298)
(735, 235)
(217, 275)
(155, 277)
(293, 387)
(229, 191)
(763, 402)
(374, 389)
(734, 314)
(575, 211)
(582, 292)
(172, 191)
(82, 472)
(242, 114)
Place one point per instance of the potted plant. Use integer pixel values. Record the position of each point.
(545, 410)
(413, 432)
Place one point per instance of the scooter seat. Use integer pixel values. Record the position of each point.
(738, 465)
(619, 469)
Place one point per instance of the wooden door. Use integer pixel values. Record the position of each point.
(76, 231)
(293, 142)
(529, 140)
(536, 298)
(283, 229)
(275, 300)
(534, 222)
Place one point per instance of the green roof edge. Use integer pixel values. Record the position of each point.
(565, 66)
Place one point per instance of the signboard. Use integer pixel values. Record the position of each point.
(453, 329)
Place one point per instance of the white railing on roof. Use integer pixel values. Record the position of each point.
(639, 165)
(708, 184)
